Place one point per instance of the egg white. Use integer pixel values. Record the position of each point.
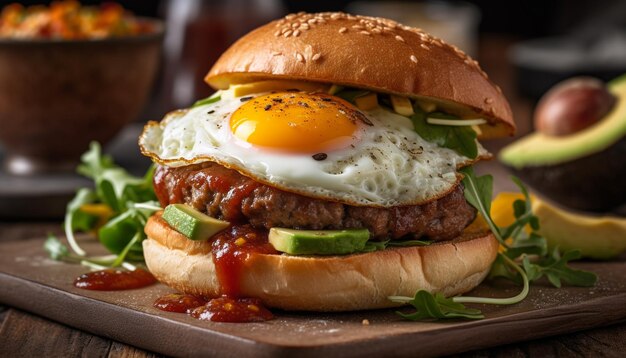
(388, 163)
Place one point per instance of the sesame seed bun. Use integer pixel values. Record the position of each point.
(324, 283)
(365, 52)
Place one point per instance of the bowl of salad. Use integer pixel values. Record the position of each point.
(70, 74)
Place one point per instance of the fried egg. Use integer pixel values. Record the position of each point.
(312, 144)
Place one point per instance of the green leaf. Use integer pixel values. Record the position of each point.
(405, 243)
(350, 94)
(461, 139)
(118, 232)
(73, 214)
(532, 244)
(555, 268)
(478, 191)
(55, 248)
(500, 268)
(93, 162)
(209, 100)
(428, 306)
(371, 245)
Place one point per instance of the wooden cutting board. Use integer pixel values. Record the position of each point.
(31, 281)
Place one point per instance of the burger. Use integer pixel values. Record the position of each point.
(329, 123)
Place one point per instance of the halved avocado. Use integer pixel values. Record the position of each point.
(584, 170)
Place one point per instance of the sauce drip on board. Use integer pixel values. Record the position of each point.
(114, 280)
(227, 309)
(230, 249)
(179, 302)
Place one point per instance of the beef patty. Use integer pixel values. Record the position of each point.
(225, 194)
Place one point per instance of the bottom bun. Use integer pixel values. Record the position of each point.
(325, 283)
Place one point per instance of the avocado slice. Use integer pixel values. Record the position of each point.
(597, 237)
(583, 171)
(318, 242)
(192, 223)
(538, 149)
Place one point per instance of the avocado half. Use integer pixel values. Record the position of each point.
(584, 170)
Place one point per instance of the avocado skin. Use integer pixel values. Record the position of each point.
(592, 183)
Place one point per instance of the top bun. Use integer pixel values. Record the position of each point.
(366, 52)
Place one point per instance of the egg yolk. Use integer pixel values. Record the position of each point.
(296, 122)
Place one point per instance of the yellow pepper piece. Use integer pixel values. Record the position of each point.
(102, 211)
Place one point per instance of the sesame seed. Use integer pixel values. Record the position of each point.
(365, 322)
(311, 21)
(364, 33)
(299, 57)
(316, 57)
(424, 47)
(335, 16)
(287, 34)
(357, 27)
(342, 30)
(276, 53)
(489, 100)
(277, 33)
(294, 25)
(304, 26)
(290, 16)
(413, 58)
(399, 38)
(376, 31)
(296, 33)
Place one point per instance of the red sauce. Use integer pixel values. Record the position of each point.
(179, 302)
(113, 280)
(231, 248)
(227, 309)
(173, 187)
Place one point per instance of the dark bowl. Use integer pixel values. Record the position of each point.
(56, 96)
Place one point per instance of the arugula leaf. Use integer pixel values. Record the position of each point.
(371, 246)
(73, 215)
(437, 306)
(404, 243)
(55, 249)
(349, 94)
(461, 139)
(478, 194)
(209, 100)
(131, 199)
(555, 268)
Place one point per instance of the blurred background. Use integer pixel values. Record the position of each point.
(524, 46)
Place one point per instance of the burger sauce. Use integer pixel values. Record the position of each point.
(113, 280)
(230, 249)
